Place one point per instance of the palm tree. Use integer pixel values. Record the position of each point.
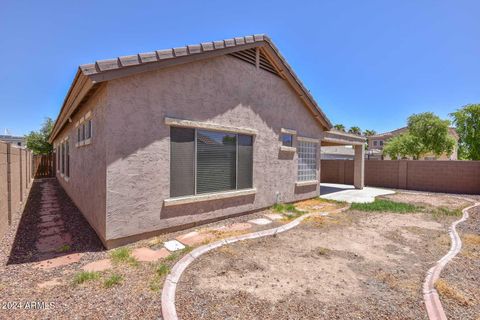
(368, 133)
(355, 130)
(339, 127)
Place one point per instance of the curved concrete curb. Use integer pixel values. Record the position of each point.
(168, 293)
(430, 295)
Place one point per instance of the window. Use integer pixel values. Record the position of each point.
(204, 161)
(62, 166)
(375, 143)
(287, 140)
(67, 159)
(381, 143)
(84, 131)
(307, 161)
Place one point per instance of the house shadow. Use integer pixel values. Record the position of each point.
(324, 190)
(51, 226)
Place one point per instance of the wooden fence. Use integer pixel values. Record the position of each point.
(16, 176)
(44, 166)
(423, 175)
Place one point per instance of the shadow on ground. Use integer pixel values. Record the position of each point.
(51, 226)
(324, 190)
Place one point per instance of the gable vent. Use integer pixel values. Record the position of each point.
(249, 57)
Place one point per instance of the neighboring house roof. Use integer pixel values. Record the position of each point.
(90, 76)
(389, 134)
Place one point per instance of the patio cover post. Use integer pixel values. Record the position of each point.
(359, 167)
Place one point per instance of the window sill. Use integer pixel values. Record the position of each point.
(306, 183)
(288, 149)
(83, 143)
(208, 197)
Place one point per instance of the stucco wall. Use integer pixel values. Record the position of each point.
(222, 90)
(86, 185)
(15, 186)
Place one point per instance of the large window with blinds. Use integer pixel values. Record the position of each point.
(204, 161)
(307, 161)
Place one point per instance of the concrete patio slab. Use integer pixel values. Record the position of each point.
(149, 255)
(260, 221)
(173, 245)
(348, 193)
(97, 266)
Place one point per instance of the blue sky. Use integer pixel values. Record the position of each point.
(367, 63)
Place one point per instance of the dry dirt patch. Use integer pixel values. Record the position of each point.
(352, 264)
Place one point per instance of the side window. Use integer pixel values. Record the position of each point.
(287, 140)
(307, 161)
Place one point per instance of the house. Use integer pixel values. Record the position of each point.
(378, 141)
(15, 140)
(163, 140)
(337, 153)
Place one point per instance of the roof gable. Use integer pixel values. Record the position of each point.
(257, 49)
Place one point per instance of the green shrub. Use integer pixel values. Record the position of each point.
(113, 280)
(382, 205)
(84, 276)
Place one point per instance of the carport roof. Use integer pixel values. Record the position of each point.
(339, 138)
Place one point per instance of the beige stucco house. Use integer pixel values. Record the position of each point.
(377, 142)
(173, 138)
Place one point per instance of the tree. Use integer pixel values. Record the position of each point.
(427, 133)
(467, 123)
(339, 127)
(355, 130)
(37, 141)
(368, 133)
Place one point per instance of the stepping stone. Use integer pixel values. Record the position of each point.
(149, 255)
(51, 217)
(173, 245)
(274, 216)
(241, 226)
(50, 231)
(59, 261)
(53, 242)
(49, 224)
(194, 238)
(260, 221)
(50, 283)
(97, 266)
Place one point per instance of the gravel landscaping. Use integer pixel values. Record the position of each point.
(351, 265)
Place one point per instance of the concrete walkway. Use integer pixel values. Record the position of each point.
(347, 193)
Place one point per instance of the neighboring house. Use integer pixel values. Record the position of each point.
(17, 141)
(170, 139)
(337, 153)
(378, 141)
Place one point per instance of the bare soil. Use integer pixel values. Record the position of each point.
(352, 265)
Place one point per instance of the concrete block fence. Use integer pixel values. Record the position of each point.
(15, 180)
(451, 176)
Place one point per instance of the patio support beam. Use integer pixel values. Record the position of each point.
(359, 167)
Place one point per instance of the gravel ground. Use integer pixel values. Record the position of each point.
(352, 265)
(136, 297)
(461, 277)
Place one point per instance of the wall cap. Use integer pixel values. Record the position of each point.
(208, 197)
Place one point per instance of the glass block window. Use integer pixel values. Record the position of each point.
(307, 161)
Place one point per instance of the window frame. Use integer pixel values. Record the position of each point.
(84, 130)
(195, 163)
(301, 179)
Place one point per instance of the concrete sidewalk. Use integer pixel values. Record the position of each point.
(347, 193)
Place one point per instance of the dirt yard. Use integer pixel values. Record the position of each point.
(352, 265)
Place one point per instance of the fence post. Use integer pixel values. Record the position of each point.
(402, 174)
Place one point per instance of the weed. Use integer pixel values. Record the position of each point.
(84, 276)
(382, 205)
(172, 257)
(64, 248)
(449, 292)
(285, 208)
(122, 255)
(442, 211)
(162, 270)
(113, 280)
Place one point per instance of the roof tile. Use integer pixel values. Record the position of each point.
(229, 42)
(258, 37)
(194, 48)
(239, 40)
(249, 39)
(88, 68)
(180, 51)
(129, 60)
(147, 57)
(165, 54)
(109, 64)
(219, 44)
(207, 46)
